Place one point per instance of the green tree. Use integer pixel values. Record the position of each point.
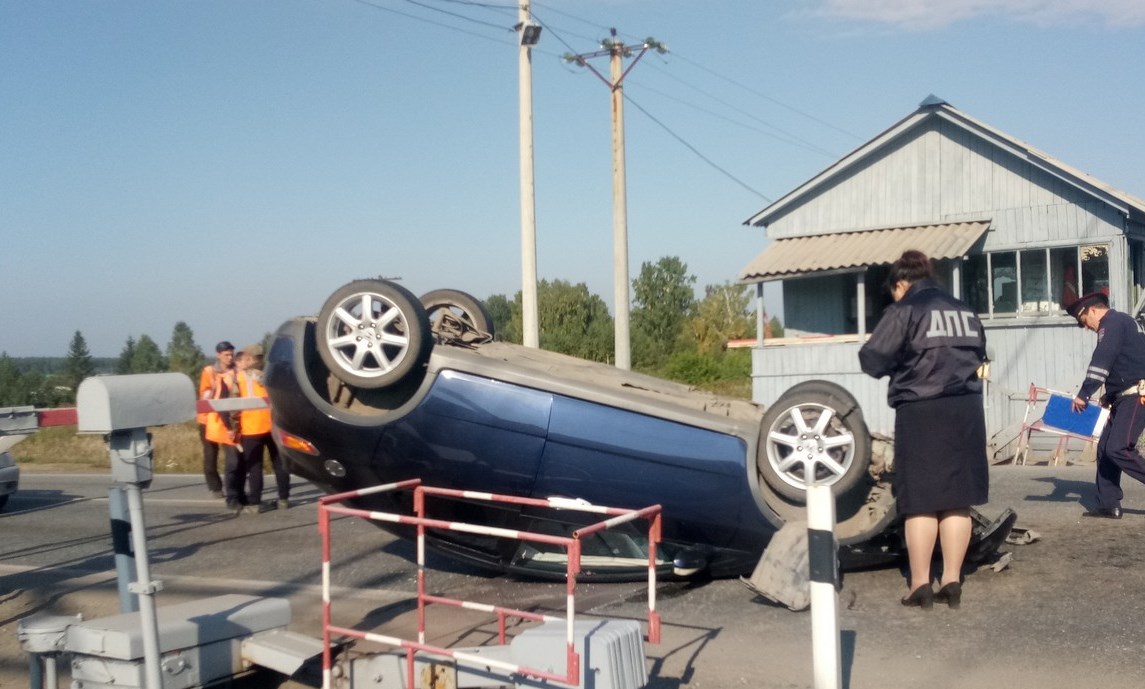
(774, 328)
(123, 364)
(183, 355)
(501, 311)
(721, 315)
(572, 320)
(148, 358)
(663, 300)
(78, 364)
(12, 391)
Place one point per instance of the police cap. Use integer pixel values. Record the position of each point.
(1091, 299)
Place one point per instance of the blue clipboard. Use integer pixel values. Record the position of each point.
(1059, 414)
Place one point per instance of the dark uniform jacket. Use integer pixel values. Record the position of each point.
(929, 343)
(1118, 361)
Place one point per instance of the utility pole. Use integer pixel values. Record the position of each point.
(530, 33)
(617, 51)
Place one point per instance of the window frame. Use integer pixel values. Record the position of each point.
(1047, 261)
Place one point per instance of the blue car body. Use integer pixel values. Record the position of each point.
(503, 419)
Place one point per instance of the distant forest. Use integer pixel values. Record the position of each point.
(48, 365)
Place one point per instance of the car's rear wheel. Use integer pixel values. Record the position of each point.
(449, 308)
(373, 334)
(814, 433)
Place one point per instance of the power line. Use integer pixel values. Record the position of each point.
(784, 136)
(559, 37)
(451, 27)
(696, 151)
(454, 14)
(718, 75)
(768, 98)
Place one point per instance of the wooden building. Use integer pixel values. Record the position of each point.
(1015, 233)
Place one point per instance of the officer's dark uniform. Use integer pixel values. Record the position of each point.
(1118, 363)
(931, 344)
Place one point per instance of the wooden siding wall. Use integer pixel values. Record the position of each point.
(1048, 355)
(943, 173)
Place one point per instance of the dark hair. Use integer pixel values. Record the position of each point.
(912, 266)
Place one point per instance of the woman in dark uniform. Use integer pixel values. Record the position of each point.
(931, 345)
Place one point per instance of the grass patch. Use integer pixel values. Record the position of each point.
(176, 450)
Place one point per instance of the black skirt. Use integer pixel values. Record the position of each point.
(940, 455)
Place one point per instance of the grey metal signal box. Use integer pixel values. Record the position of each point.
(118, 403)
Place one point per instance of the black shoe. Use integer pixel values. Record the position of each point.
(921, 597)
(1104, 513)
(951, 594)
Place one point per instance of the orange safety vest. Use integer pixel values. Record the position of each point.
(217, 429)
(206, 382)
(253, 422)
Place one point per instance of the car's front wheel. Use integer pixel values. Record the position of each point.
(373, 334)
(813, 434)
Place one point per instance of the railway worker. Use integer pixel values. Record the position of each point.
(1118, 363)
(223, 430)
(224, 361)
(932, 345)
(254, 429)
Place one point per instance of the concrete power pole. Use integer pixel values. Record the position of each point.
(617, 51)
(530, 33)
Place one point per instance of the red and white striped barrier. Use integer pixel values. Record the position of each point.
(330, 505)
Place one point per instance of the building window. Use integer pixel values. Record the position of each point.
(1034, 282)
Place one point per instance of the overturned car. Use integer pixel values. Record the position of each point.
(382, 386)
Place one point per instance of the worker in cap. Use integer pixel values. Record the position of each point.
(255, 431)
(209, 380)
(1118, 363)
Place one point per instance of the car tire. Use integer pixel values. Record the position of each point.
(373, 334)
(815, 428)
(464, 306)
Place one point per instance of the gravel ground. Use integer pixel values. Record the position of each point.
(1066, 613)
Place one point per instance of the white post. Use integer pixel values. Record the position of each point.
(822, 551)
(529, 328)
(619, 218)
(145, 588)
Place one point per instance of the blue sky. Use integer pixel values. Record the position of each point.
(229, 164)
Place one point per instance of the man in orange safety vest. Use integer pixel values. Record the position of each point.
(254, 429)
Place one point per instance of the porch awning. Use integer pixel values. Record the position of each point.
(841, 251)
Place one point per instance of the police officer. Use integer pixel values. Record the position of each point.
(1118, 363)
(931, 345)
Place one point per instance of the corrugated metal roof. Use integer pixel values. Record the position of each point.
(795, 256)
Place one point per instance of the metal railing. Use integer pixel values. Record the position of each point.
(613, 517)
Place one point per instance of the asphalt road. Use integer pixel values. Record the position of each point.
(1067, 612)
